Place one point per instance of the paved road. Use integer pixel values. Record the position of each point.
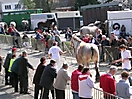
(6, 92)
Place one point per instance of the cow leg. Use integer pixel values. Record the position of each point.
(97, 77)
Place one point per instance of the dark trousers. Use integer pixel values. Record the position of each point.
(45, 94)
(36, 91)
(6, 76)
(15, 81)
(11, 78)
(60, 94)
(23, 84)
(85, 98)
(0, 67)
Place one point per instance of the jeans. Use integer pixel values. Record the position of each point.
(130, 80)
(75, 95)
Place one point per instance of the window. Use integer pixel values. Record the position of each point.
(7, 7)
(17, 6)
(49, 16)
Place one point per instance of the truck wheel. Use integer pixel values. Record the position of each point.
(116, 25)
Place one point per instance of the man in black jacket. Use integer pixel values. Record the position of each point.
(23, 73)
(47, 79)
(37, 77)
(6, 64)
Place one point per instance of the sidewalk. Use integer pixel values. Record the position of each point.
(7, 92)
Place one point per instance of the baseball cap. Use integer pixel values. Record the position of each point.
(14, 49)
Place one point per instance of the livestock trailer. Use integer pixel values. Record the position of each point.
(18, 16)
(119, 18)
(68, 19)
(92, 13)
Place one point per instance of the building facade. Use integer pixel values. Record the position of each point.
(10, 5)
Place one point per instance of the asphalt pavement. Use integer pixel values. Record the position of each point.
(7, 92)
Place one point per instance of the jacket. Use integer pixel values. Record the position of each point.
(85, 86)
(15, 66)
(122, 89)
(23, 67)
(61, 79)
(7, 60)
(74, 80)
(10, 66)
(48, 76)
(108, 84)
(38, 73)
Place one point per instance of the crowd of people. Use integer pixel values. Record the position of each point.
(52, 78)
(115, 39)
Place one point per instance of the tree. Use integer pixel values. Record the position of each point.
(29, 4)
(44, 4)
(79, 3)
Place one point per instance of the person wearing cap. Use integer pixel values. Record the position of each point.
(61, 82)
(23, 72)
(54, 53)
(7, 63)
(47, 80)
(125, 59)
(108, 83)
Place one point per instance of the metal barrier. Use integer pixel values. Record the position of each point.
(107, 53)
(99, 94)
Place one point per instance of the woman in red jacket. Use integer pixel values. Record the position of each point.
(74, 81)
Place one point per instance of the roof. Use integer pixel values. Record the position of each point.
(29, 10)
(100, 5)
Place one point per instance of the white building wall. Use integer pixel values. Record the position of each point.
(11, 7)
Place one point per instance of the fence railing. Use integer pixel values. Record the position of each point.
(107, 53)
(99, 94)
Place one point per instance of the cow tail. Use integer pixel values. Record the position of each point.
(92, 52)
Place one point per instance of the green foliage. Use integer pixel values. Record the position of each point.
(44, 4)
(29, 4)
(79, 3)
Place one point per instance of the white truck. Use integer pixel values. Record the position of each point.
(119, 18)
